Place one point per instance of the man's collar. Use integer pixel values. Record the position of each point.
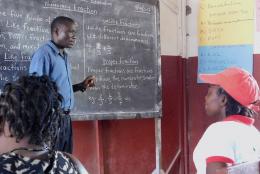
(55, 48)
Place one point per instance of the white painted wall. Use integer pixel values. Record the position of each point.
(192, 28)
(172, 27)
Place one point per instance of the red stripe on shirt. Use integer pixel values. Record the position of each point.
(241, 119)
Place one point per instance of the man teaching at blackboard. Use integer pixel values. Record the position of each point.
(52, 60)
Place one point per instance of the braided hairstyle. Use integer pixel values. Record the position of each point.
(235, 108)
(31, 107)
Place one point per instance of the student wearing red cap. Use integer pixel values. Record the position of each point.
(233, 96)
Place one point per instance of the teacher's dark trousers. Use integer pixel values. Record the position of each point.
(64, 140)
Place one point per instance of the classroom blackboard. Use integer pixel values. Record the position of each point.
(117, 41)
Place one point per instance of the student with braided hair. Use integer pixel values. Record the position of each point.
(30, 112)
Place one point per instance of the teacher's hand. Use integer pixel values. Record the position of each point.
(89, 81)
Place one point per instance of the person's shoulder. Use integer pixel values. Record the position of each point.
(44, 51)
(47, 46)
(217, 125)
(223, 124)
(76, 162)
(219, 128)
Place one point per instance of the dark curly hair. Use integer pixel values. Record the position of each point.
(31, 107)
(60, 20)
(235, 108)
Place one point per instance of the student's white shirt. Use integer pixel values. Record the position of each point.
(233, 140)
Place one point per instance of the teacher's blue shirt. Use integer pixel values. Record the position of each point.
(47, 60)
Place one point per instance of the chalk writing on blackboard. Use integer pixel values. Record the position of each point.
(117, 41)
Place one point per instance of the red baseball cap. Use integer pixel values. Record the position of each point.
(238, 83)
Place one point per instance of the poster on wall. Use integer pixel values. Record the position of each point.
(225, 35)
